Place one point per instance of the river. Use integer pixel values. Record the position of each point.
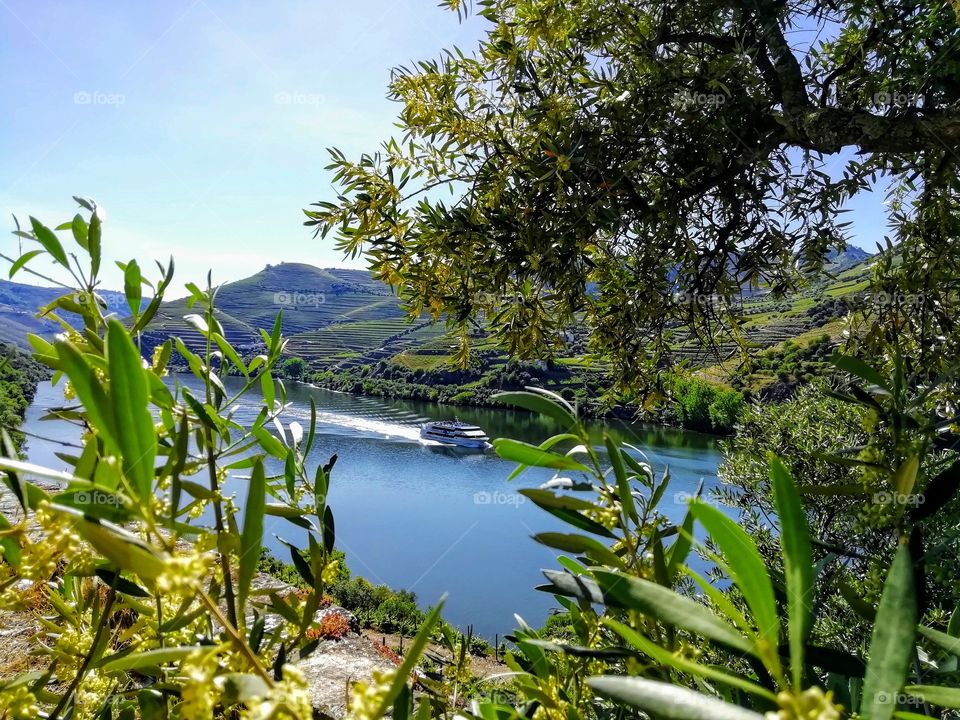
(432, 519)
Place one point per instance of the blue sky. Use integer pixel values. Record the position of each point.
(201, 126)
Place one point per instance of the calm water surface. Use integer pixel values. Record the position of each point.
(428, 518)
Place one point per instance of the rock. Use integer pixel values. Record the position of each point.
(331, 670)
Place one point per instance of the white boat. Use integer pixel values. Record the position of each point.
(454, 432)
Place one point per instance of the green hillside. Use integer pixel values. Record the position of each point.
(346, 322)
(19, 303)
(312, 301)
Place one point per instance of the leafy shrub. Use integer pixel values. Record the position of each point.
(135, 587)
(294, 368)
(378, 606)
(700, 405)
(333, 626)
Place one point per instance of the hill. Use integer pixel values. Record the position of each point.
(19, 303)
(354, 330)
(330, 315)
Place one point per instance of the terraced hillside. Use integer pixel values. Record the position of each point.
(19, 303)
(312, 301)
(341, 319)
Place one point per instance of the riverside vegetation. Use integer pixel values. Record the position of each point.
(147, 612)
(634, 163)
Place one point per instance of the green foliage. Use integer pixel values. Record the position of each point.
(19, 375)
(378, 606)
(658, 158)
(126, 582)
(633, 634)
(294, 368)
(700, 405)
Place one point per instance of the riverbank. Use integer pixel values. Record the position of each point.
(691, 403)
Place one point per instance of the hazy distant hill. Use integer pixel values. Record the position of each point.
(19, 303)
(839, 261)
(344, 318)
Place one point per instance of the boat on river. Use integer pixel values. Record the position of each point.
(455, 432)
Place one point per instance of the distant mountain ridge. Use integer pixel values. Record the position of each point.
(19, 303)
(339, 318)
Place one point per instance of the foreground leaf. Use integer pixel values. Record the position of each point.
(668, 701)
(797, 562)
(891, 647)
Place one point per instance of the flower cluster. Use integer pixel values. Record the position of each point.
(288, 698)
(366, 698)
(811, 704)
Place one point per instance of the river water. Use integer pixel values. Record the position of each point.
(428, 518)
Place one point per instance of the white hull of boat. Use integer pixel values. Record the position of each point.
(475, 443)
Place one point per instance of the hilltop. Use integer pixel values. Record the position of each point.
(354, 334)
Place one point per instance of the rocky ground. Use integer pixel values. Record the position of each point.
(330, 670)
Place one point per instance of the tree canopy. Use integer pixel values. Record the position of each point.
(636, 165)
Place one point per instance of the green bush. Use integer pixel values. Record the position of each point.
(699, 405)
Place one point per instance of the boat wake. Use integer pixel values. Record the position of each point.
(342, 423)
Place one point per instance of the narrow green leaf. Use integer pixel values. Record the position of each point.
(749, 573)
(133, 287)
(93, 243)
(266, 386)
(89, 390)
(78, 226)
(146, 659)
(22, 261)
(947, 697)
(892, 643)
(620, 473)
(49, 240)
(670, 702)
(625, 591)
(411, 659)
(130, 400)
(859, 368)
(669, 659)
(947, 642)
(797, 561)
(251, 539)
(539, 404)
(521, 452)
(580, 544)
